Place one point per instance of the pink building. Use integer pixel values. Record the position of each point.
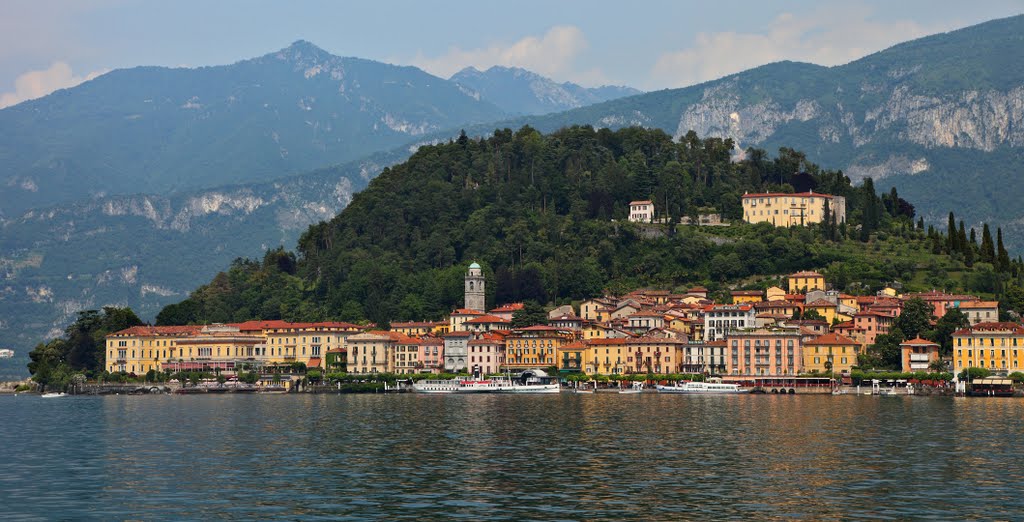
(431, 355)
(942, 301)
(774, 351)
(486, 356)
(873, 323)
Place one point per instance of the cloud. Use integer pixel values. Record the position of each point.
(554, 55)
(827, 36)
(36, 84)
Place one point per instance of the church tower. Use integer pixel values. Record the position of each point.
(475, 297)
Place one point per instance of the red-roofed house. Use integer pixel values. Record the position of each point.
(485, 323)
(918, 354)
(832, 352)
(641, 211)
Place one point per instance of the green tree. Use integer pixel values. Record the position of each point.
(988, 248)
(916, 317)
(531, 314)
(1002, 256)
(952, 237)
(949, 323)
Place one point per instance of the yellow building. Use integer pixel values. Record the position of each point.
(142, 348)
(828, 311)
(569, 356)
(534, 346)
(305, 343)
(594, 331)
(993, 346)
(415, 329)
(217, 347)
(803, 282)
(370, 352)
(747, 296)
(788, 210)
(632, 355)
(774, 293)
(830, 352)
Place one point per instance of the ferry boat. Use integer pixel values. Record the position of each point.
(713, 387)
(530, 381)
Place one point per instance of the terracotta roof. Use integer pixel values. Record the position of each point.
(806, 273)
(487, 319)
(458, 334)
(641, 202)
(831, 339)
(577, 345)
(784, 194)
(1015, 328)
(249, 326)
(539, 328)
(917, 341)
(466, 311)
(337, 350)
(821, 303)
(511, 307)
(415, 324)
(978, 304)
(158, 330)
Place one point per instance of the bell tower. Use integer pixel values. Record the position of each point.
(475, 296)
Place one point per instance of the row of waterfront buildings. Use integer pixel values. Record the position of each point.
(646, 331)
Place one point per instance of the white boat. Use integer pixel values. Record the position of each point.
(583, 390)
(702, 388)
(53, 395)
(530, 381)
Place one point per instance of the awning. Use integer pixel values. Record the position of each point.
(314, 362)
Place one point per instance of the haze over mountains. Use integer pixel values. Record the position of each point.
(521, 92)
(137, 186)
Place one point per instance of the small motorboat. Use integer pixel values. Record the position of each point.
(53, 395)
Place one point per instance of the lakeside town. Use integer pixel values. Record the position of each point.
(801, 329)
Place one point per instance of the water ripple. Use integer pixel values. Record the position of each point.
(562, 457)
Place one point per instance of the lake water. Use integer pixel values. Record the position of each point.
(560, 457)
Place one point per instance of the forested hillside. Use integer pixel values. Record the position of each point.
(545, 215)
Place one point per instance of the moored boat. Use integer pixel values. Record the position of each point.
(713, 387)
(530, 381)
(53, 395)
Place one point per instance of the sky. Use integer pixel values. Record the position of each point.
(51, 44)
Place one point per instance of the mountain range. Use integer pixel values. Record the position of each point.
(137, 186)
(134, 187)
(940, 118)
(521, 92)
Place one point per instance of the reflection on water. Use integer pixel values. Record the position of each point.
(603, 456)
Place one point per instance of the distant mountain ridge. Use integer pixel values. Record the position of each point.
(155, 129)
(518, 91)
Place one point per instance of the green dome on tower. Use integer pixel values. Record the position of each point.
(474, 265)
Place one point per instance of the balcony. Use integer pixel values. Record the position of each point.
(919, 357)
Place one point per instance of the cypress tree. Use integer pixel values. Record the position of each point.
(988, 249)
(951, 236)
(920, 223)
(974, 239)
(961, 238)
(965, 248)
(1003, 259)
